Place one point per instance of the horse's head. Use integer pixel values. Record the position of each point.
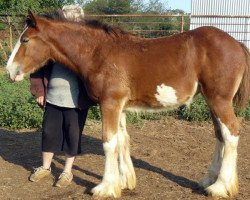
(30, 52)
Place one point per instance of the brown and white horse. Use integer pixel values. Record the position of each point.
(125, 72)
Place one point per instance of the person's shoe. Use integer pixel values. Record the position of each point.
(39, 173)
(64, 179)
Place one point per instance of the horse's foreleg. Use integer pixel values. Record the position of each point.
(127, 172)
(226, 184)
(110, 185)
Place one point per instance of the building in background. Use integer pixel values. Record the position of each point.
(232, 16)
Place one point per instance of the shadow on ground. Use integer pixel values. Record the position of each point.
(23, 149)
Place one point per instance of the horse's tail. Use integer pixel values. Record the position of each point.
(243, 93)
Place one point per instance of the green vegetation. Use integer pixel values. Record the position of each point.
(16, 7)
(17, 108)
(2, 26)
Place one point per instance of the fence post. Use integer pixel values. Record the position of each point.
(4, 53)
(182, 23)
(10, 30)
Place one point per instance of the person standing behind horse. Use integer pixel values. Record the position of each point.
(65, 101)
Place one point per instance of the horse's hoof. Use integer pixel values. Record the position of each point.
(128, 181)
(107, 190)
(221, 190)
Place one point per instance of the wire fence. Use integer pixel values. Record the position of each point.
(10, 28)
(147, 25)
(143, 25)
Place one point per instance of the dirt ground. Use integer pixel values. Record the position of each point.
(169, 156)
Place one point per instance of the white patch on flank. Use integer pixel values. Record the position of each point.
(166, 95)
(12, 67)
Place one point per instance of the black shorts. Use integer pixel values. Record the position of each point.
(62, 129)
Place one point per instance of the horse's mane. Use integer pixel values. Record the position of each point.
(59, 16)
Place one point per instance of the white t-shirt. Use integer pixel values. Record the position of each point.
(63, 89)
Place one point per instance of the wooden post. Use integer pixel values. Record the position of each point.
(4, 53)
(11, 37)
(182, 23)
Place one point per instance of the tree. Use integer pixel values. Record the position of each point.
(123, 6)
(55, 4)
(108, 7)
(155, 6)
(18, 6)
(21, 6)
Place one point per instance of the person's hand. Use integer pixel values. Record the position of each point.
(40, 100)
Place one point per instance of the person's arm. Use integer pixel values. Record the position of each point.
(37, 87)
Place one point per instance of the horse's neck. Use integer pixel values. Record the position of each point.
(75, 48)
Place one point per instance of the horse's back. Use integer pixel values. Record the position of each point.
(175, 66)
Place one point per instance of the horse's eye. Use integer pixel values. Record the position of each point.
(25, 40)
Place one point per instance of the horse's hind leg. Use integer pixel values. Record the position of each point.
(127, 172)
(215, 166)
(225, 158)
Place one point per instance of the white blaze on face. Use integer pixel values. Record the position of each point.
(166, 95)
(15, 69)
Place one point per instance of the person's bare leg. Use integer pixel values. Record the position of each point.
(47, 159)
(68, 163)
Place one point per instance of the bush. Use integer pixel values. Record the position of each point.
(197, 111)
(247, 112)
(94, 113)
(2, 26)
(18, 108)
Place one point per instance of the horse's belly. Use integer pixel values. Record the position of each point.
(150, 108)
(164, 98)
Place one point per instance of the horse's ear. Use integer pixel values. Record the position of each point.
(30, 20)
